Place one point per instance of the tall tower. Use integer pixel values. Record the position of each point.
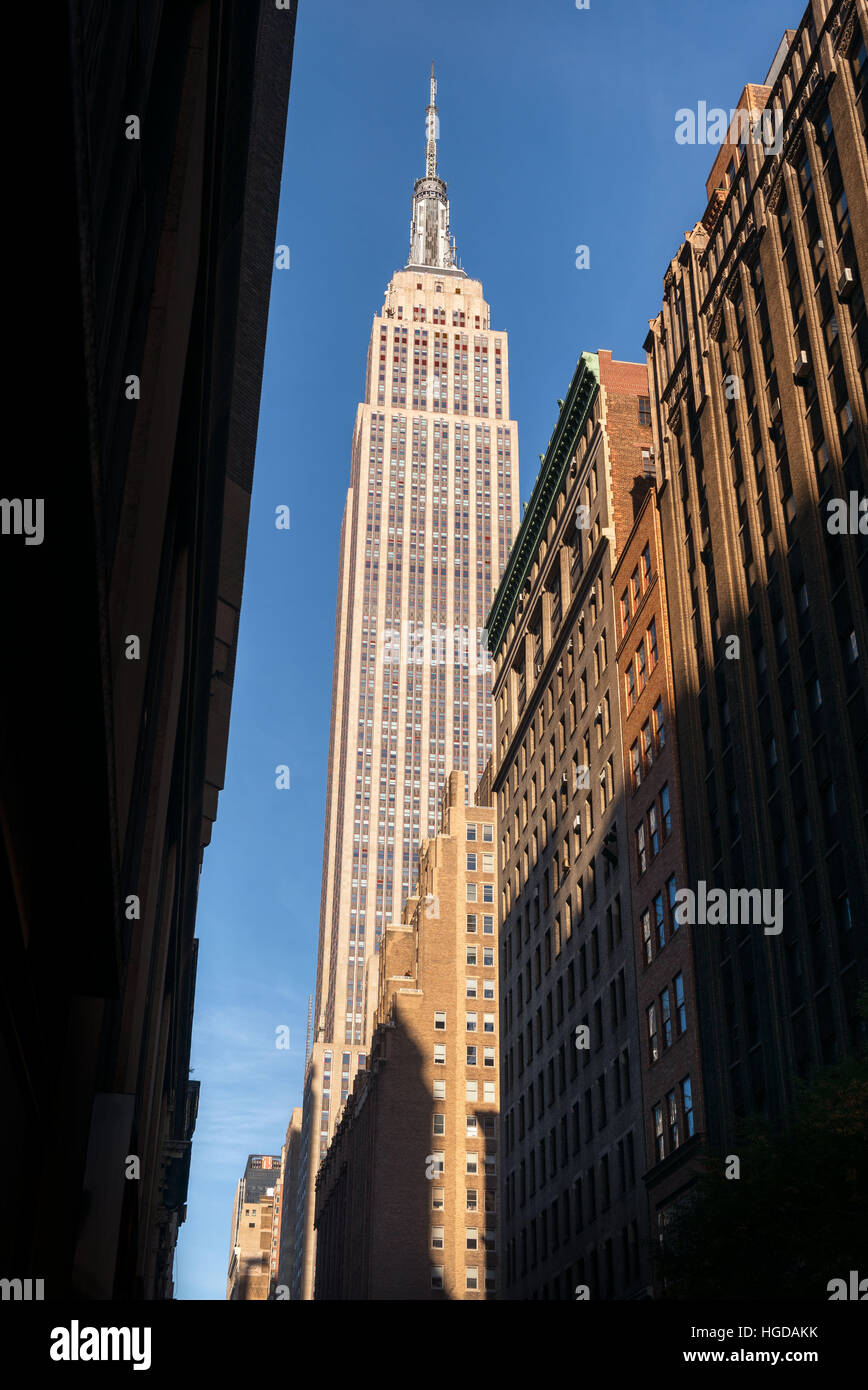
(431, 511)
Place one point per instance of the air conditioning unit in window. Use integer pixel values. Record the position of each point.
(846, 283)
(598, 715)
(802, 366)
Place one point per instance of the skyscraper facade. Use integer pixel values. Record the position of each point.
(430, 514)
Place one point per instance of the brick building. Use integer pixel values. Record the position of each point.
(406, 1198)
(665, 989)
(758, 364)
(574, 1209)
(254, 1224)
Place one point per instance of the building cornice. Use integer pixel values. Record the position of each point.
(571, 421)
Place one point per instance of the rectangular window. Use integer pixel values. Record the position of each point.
(437, 1233)
(471, 1057)
(471, 1128)
(437, 1276)
(659, 1142)
(471, 922)
(680, 1004)
(488, 1023)
(653, 1040)
(438, 1198)
(471, 832)
(488, 1092)
(471, 863)
(653, 832)
(471, 1090)
(488, 1057)
(471, 1236)
(471, 893)
(646, 935)
(471, 1277)
(440, 1020)
(439, 1090)
(672, 1120)
(659, 922)
(472, 1199)
(488, 892)
(652, 645)
(641, 851)
(470, 1022)
(487, 924)
(440, 1054)
(659, 729)
(666, 810)
(666, 1017)
(687, 1103)
(471, 1163)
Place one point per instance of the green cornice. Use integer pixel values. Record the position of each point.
(571, 423)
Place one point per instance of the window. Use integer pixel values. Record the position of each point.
(488, 955)
(470, 1022)
(488, 924)
(471, 832)
(672, 889)
(488, 989)
(640, 669)
(440, 1054)
(488, 1092)
(672, 1118)
(666, 811)
(635, 765)
(646, 935)
(659, 730)
(471, 1128)
(471, 863)
(439, 1090)
(680, 1006)
(471, 1090)
(488, 1023)
(644, 410)
(659, 922)
(666, 1017)
(471, 1057)
(439, 1124)
(437, 1276)
(471, 892)
(652, 645)
(659, 1142)
(488, 892)
(471, 922)
(472, 1199)
(488, 1056)
(653, 832)
(488, 834)
(471, 1236)
(470, 987)
(646, 567)
(440, 1020)
(437, 1163)
(641, 852)
(471, 1163)
(471, 1279)
(438, 1198)
(437, 1233)
(687, 1104)
(653, 1041)
(488, 863)
(630, 687)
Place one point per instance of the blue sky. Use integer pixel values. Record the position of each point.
(556, 129)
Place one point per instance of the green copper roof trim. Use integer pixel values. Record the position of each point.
(571, 422)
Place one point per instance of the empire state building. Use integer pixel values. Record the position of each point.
(430, 514)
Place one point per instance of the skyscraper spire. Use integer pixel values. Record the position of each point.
(431, 130)
(430, 243)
